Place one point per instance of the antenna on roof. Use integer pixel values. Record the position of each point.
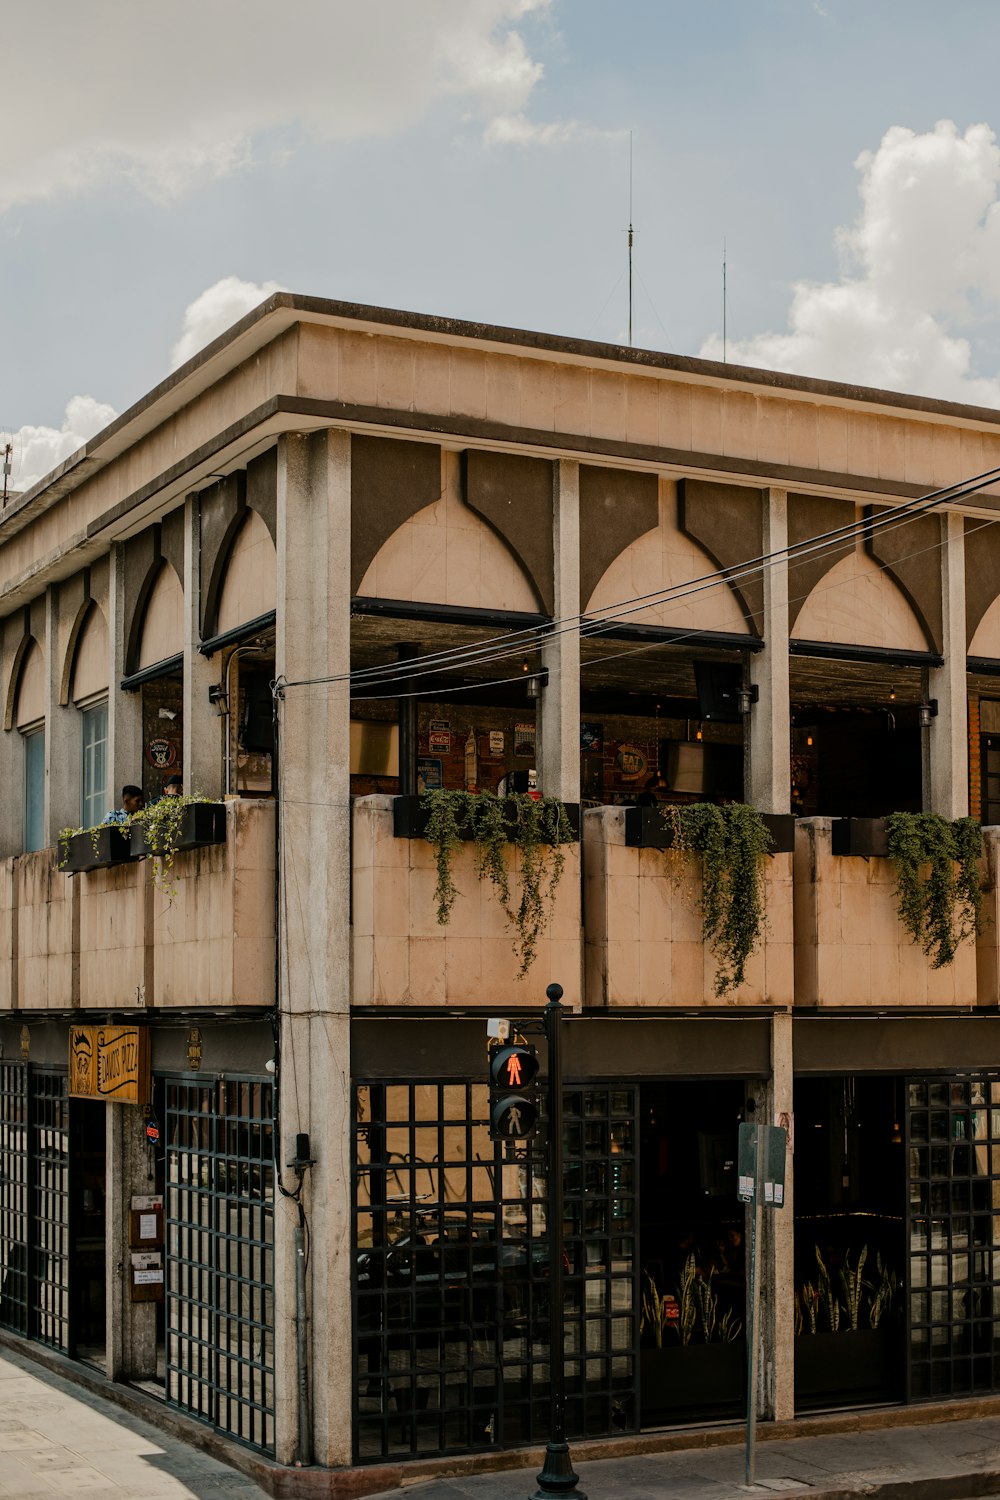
(724, 361)
(630, 239)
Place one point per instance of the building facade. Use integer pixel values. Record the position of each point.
(347, 555)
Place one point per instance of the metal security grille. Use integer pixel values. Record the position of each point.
(49, 1260)
(220, 1255)
(14, 1236)
(451, 1271)
(953, 1229)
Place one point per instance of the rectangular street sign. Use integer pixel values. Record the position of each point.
(774, 1146)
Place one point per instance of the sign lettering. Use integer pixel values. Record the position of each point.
(109, 1062)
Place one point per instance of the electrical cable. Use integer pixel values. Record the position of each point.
(678, 640)
(827, 541)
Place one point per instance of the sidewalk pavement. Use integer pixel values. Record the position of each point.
(938, 1461)
(56, 1439)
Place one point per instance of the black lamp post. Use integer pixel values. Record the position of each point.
(557, 1476)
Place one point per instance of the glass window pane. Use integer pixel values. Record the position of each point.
(34, 790)
(94, 780)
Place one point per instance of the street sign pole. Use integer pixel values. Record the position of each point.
(557, 1476)
(753, 1311)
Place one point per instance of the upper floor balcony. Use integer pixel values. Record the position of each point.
(121, 936)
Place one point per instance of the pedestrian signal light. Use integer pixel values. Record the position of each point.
(513, 1107)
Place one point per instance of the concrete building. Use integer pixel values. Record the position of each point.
(332, 489)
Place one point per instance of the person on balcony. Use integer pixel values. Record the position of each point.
(133, 801)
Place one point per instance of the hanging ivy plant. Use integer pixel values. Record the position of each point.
(161, 827)
(538, 828)
(734, 843)
(938, 886)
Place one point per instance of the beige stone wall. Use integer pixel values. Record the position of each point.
(402, 956)
(643, 929)
(36, 913)
(111, 940)
(214, 943)
(849, 946)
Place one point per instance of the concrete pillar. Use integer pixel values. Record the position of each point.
(768, 725)
(558, 729)
(124, 709)
(63, 740)
(946, 759)
(778, 1246)
(131, 1326)
(313, 641)
(203, 726)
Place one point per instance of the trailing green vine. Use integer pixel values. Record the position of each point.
(538, 828)
(938, 885)
(161, 827)
(733, 842)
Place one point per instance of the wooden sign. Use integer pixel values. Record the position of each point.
(109, 1062)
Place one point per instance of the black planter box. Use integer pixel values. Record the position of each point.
(692, 1382)
(848, 1369)
(864, 837)
(646, 828)
(96, 850)
(409, 819)
(201, 823)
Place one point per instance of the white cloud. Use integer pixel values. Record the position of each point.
(920, 264)
(218, 308)
(172, 96)
(38, 450)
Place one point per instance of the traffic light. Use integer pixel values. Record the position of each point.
(513, 1107)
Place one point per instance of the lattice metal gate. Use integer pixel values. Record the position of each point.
(953, 1229)
(220, 1255)
(451, 1272)
(49, 1257)
(14, 1208)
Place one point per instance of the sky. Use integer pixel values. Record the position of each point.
(166, 167)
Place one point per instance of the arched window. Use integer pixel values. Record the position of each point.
(90, 695)
(29, 718)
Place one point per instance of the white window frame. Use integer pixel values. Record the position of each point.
(32, 735)
(94, 801)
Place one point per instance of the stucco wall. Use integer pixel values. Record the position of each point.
(849, 946)
(643, 928)
(402, 956)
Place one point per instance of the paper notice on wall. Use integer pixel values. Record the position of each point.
(143, 1260)
(152, 1277)
(769, 1192)
(147, 1226)
(146, 1203)
(745, 1189)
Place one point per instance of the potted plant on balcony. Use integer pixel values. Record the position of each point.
(171, 824)
(538, 828)
(938, 885)
(733, 842)
(692, 1360)
(83, 849)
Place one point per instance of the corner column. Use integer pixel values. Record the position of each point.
(767, 775)
(946, 740)
(313, 641)
(559, 704)
(202, 725)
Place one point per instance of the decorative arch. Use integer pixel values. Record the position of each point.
(158, 628)
(666, 558)
(248, 586)
(26, 689)
(86, 669)
(986, 640)
(444, 554)
(858, 604)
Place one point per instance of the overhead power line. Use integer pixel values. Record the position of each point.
(512, 643)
